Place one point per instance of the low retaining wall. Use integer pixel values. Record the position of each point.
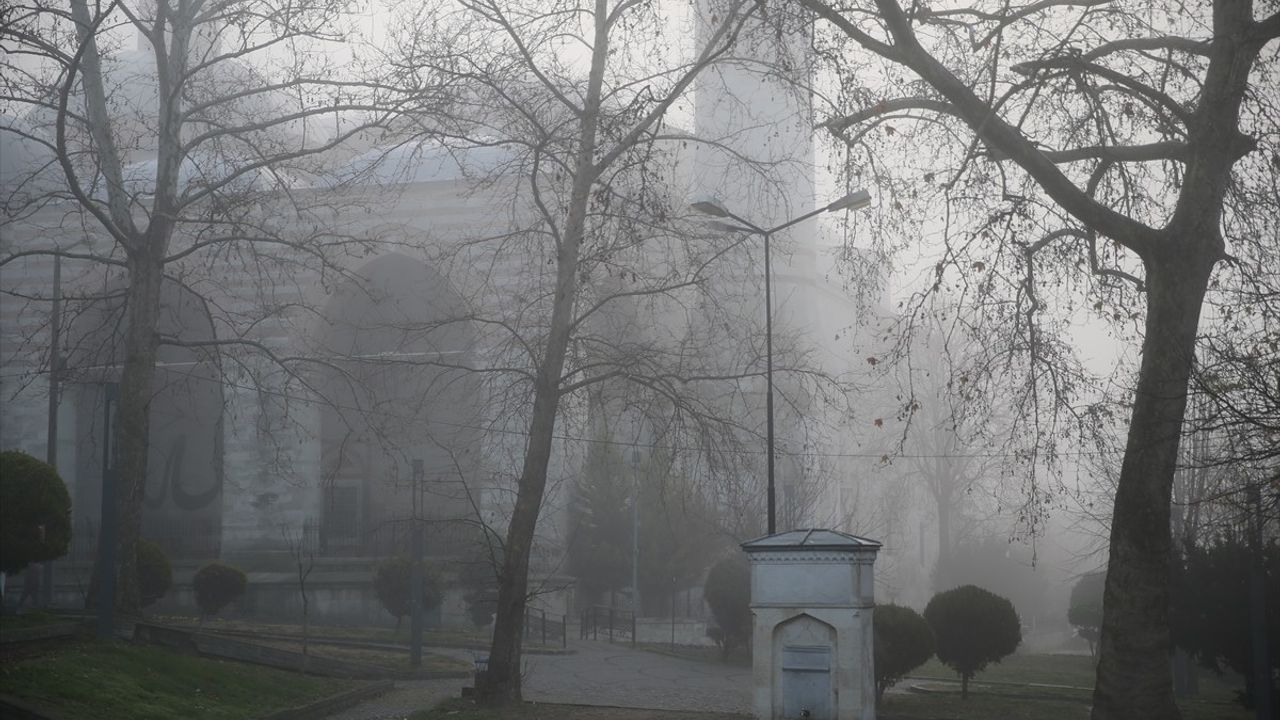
(214, 645)
(660, 630)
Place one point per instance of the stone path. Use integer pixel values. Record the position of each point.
(596, 674)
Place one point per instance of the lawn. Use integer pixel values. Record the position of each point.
(377, 634)
(1072, 670)
(1040, 686)
(1021, 702)
(1022, 686)
(112, 680)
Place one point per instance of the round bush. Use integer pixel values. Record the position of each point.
(903, 642)
(479, 580)
(35, 512)
(1085, 611)
(972, 627)
(155, 574)
(728, 593)
(391, 582)
(216, 585)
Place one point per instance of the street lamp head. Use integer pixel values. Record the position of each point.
(728, 227)
(853, 201)
(709, 206)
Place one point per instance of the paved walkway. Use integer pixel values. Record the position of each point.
(596, 674)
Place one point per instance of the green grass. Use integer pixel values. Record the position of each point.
(1014, 703)
(1075, 670)
(111, 680)
(379, 634)
(1013, 690)
(984, 706)
(1070, 670)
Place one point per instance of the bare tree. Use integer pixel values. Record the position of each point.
(186, 163)
(563, 122)
(1107, 147)
(304, 559)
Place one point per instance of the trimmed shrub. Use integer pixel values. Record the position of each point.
(35, 512)
(728, 594)
(391, 582)
(972, 628)
(216, 586)
(479, 580)
(1085, 611)
(155, 574)
(903, 642)
(1209, 614)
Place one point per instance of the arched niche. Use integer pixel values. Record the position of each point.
(804, 649)
(399, 413)
(182, 503)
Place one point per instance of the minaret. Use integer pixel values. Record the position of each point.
(756, 101)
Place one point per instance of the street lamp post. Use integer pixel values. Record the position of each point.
(109, 529)
(852, 201)
(635, 532)
(416, 580)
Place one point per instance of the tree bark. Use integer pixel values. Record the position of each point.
(502, 683)
(134, 421)
(1133, 677)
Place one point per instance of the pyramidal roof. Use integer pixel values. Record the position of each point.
(815, 539)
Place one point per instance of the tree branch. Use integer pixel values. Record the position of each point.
(1002, 136)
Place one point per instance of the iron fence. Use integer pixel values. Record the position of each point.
(613, 623)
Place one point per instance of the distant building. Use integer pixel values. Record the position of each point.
(380, 426)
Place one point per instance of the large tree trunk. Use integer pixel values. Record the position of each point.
(501, 684)
(134, 422)
(1133, 677)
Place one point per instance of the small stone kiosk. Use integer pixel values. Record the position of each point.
(812, 598)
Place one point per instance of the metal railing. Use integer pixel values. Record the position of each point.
(613, 623)
(538, 627)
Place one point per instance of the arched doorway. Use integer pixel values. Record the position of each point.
(400, 410)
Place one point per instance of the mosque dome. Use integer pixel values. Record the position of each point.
(133, 101)
(420, 161)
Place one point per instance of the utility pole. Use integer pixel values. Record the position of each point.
(635, 532)
(853, 200)
(415, 571)
(1258, 614)
(110, 514)
(55, 391)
